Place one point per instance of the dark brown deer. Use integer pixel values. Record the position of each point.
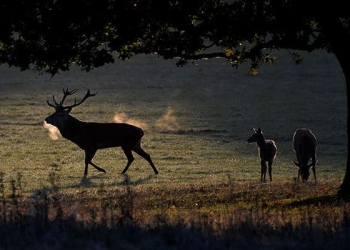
(304, 145)
(91, 136)
(267, 151)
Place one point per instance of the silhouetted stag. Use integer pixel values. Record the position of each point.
(91, 136)
(304, 145)
(267, 151)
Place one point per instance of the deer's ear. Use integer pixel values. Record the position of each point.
(296, 164)
(259, 130)
(69, 110)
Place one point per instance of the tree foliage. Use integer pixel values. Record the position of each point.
(50, 36)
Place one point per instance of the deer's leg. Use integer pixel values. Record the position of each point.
(146, 156)
(89, 154)
(130, 157)
(263, 170)
(314, 167)
(314, 171)
(298, 167)
(270, 170)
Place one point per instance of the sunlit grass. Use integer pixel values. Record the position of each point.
(205, 124)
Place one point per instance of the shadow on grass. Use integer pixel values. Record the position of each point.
(85, 181)
(316, 201)
(88, 181)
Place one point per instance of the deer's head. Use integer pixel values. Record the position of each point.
(257, 136)
(305, 169)
(60, 117)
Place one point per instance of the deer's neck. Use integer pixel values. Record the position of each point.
(261, 142)
(72, 128)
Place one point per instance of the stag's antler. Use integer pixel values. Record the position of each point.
(66, 92)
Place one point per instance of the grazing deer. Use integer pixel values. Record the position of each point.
(304, 145)
(267, 151)
(91, 136)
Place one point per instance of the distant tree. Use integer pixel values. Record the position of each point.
(50, 36)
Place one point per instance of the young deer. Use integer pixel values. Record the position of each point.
(267, 151)
(91, 136)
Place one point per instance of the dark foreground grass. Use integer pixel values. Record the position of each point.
(226, 216)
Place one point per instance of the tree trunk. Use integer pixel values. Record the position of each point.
(340, 46)
(344, 189)
(339, 39)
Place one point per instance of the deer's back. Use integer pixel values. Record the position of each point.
(269, 151)
(304, 141)
(104, 135)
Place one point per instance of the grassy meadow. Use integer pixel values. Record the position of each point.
(197, 118)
